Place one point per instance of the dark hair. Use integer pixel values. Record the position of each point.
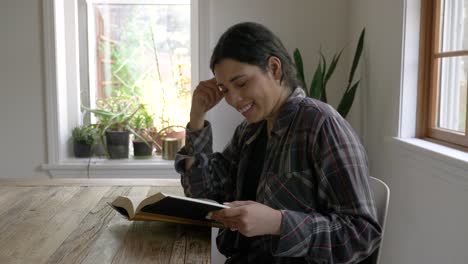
(254, 44)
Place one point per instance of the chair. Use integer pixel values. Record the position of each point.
(381, 198)
(216, 256)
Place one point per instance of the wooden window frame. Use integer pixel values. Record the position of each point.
(427, 110)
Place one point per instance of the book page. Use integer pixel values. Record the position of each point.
(136, 200)
(128, 204)
(148, 200)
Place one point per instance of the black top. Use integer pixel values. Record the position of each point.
(251, 177)
(255, 166)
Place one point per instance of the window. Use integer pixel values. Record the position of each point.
(98, 48)
(442, 108)
(140, 49)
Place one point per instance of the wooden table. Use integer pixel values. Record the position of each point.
(72, 223)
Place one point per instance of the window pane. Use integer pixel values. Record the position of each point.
(144, 51)
(452, 93)
(454, 25)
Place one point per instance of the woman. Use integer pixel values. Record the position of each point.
(294, 173)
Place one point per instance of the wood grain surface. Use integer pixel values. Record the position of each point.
(73, 223)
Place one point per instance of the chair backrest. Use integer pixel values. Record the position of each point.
(381, 198)
(216, 256)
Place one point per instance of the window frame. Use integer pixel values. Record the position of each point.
(428, 80)
(62, 81)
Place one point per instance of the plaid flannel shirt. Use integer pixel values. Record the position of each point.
(315, 172)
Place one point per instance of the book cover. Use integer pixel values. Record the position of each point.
(168, 208)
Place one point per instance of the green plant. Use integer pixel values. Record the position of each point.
(85, 134)
(115, 114)
(323, 74)
(142, 121)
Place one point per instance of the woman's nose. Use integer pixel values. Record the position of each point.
(234, 97)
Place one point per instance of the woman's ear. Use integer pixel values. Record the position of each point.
(274, 64)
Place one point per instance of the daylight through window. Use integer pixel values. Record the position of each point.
(141, 50)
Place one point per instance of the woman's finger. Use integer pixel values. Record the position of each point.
(239, 203)
(230, 224)
(227, 213)
(205, 95)
(211, 92)
(205, 98)
(213, 85)
(219, 94)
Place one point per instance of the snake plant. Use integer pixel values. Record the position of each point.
(323, 74)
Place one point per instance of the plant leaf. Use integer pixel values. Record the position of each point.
(357, 55)
(324, 68)
(323, 92)
(127, 119)
(317, 82)
(300, 68)
(333, 64)
(347, 100)
(131, 130)
(99, 112)
(104, 145)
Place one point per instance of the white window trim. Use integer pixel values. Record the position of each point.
(62, 109)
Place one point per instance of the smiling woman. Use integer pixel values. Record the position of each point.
(255, 83)
(248, 89)
(294, 173)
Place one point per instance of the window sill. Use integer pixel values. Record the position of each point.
(154, 167)
(454, 162)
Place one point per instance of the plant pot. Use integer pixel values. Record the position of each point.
(82, 150)
(141, 149)
(169, 132)
(117, 144)
(170, 147)
(99, 148)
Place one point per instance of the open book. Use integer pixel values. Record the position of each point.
(167, 208)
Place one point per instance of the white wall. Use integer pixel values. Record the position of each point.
(300, 23)
(22, 111)
(428, 208)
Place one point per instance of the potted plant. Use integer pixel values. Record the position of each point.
(174, 131)
(142, 122)
(84, 139)
(322, 75)
(114, 115)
